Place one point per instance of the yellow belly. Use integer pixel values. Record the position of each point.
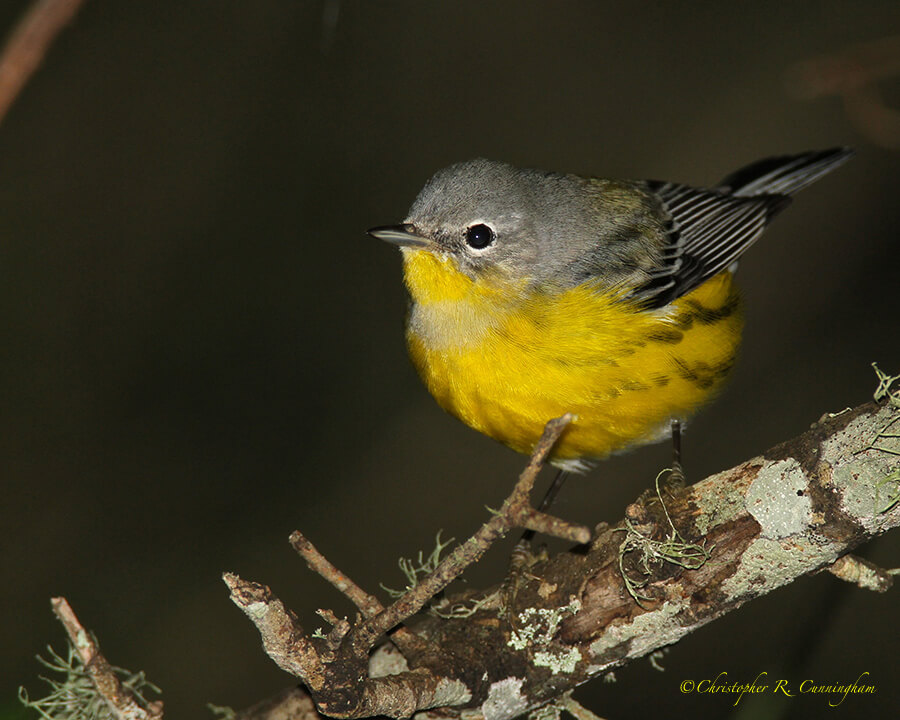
(505, 362)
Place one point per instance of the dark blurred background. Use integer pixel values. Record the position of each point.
(202, 350)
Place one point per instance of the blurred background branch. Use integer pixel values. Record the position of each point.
(28, 43)
(855, 75)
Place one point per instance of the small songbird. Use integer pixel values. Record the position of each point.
(534, 294)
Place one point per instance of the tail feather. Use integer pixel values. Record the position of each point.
(783, 175)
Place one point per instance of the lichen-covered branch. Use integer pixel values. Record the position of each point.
(334, 667)
(515, 512)
(799, 508)
(91, 687)
(862, 573)
(367, 604)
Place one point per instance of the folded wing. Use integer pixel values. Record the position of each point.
(709, 229)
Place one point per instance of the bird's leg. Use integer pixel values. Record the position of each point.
(676, 479)
(553, 490)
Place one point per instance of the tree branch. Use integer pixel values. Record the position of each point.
(28, 44)
(120, 702)
(335, 664)
(796, 509)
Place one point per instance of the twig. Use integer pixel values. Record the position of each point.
(118, 698)
(28, 44)
(515, 512)
(862, 573)
(368, 605)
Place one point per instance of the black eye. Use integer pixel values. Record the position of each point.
(479, 236)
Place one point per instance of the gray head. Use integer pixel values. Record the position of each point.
(550, 228)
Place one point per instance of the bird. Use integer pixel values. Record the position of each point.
(534, 294)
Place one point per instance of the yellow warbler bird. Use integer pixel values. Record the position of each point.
(535, 294)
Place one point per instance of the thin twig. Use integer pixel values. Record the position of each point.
(28, 44)
(117, 697)
(516, 511)
(368, 604)
(862, 573)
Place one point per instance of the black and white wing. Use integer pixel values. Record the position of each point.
(708, 230)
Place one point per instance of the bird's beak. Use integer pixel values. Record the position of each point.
(403, 235)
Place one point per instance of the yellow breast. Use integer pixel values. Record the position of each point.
(505, 359)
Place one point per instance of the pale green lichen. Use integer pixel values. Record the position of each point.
(655, 659)
(778, 501)
(537, 626)
(505, 700)
(673, 549)
(870, 490)
(535, 629)
(82, 640)
(716, 509)
(883, 391)
(415, 569)
(645, 633)
(451, 692)
(574, 708)
(256, 610)
(886, 440)
(558, 660)
(75, 696)
(767, 563)
(853, 438)
(858, 437)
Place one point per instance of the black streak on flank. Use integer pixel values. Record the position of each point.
(707, 316)
(666, 335)
(702, 374)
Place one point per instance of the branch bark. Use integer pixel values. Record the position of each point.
(794, 510)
